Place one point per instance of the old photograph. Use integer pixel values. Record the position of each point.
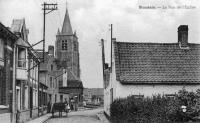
(99, 61)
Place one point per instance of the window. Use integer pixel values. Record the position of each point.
(51, 67)
(26, 97)
(1, 49)
(138, 96)
(21, 57)
(170, 96)
(60, 83)
(51, 82)
(75, 47)
(64, 45)
(61, 98)
(18, 99)
(55, 98)
(111, 95)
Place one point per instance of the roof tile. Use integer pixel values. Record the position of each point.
(157, 63)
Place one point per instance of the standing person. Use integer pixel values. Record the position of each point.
(71, 104)
(66, 106)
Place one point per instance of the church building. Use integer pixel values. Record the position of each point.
(67, 57)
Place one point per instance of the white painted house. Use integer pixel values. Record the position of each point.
(26, 74)
(145, 69)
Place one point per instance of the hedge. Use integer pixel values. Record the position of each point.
(156, 109)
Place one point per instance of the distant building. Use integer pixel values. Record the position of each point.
(93, 95)
(48, 84)
(144, 69)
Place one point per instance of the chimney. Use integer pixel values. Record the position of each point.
(51, 50)
(114, 39)
(106, 66)
(183, 36)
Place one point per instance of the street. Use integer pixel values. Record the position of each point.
(86, 116)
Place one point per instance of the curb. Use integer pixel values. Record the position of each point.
(45, 121)
(101, 116)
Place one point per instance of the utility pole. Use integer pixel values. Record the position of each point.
(111, 29)
(103, 60)
(49, 8)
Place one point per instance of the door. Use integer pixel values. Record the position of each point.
(111, 95)
(31, 101)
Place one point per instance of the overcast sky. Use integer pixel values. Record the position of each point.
(91, 19)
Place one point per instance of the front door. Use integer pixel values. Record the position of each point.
(31, 101)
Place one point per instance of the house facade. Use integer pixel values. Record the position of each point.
(26, 74)
(7, 72)
(93, 95)
(146, 69)
(51, 77)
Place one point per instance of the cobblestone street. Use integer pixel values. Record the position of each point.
(86, 116)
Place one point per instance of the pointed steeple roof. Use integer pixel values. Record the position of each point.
(67, 28)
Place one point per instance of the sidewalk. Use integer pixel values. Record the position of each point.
(102, 117)
(40, 119)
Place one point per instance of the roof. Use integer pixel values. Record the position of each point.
(71, 76)
(23, 43)
(17, 25)
(74, 84)
(6, 33)
(93, 91)
(157, 63)
(67, 28)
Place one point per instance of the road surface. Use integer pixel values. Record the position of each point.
(85, 116)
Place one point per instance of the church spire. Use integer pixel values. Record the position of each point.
(67, 28)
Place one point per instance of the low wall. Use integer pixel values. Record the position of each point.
(34, 112)
(23, 116)
(5, 118)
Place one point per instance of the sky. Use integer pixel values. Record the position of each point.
(91, 20)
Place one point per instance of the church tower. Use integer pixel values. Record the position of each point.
(67, 47)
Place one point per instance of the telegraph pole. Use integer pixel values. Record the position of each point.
(103, 60)
(49, 8)
(111, 29)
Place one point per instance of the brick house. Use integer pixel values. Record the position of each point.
(7, 41)
(26, 74)
(145, 69)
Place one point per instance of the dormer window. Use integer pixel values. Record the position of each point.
(21, 55)
(64, 45)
